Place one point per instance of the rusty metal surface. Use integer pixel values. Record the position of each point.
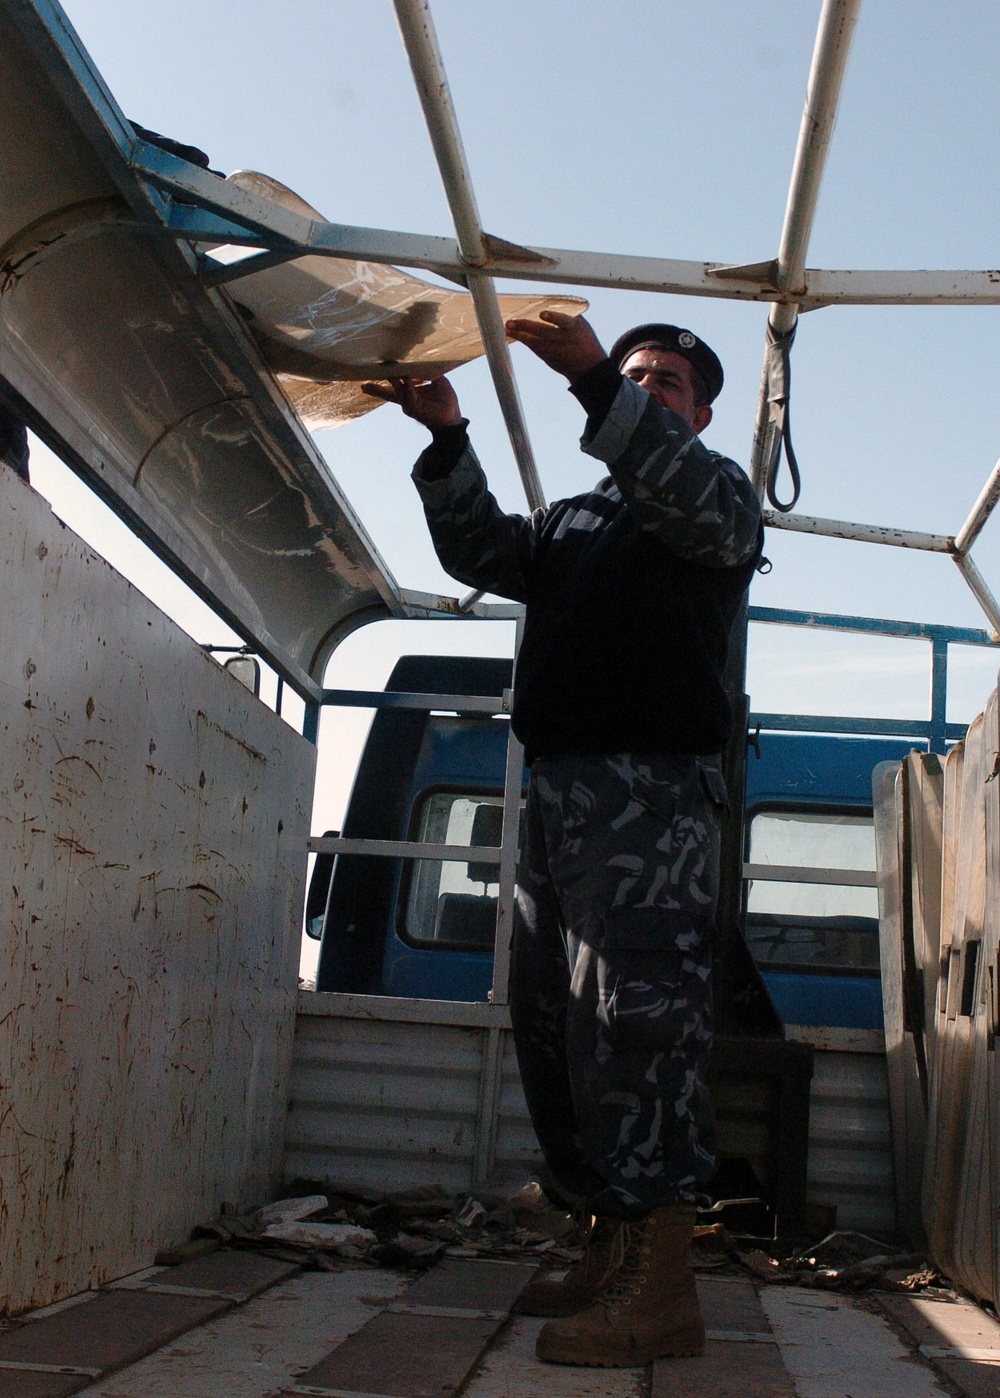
(153, 816)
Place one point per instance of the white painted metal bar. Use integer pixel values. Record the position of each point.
(981, 511)
(864, 533)
(509, 841)
(417, 29)
(264, 223)
(387, 699)
(792, 873)
(466, 1014)
(431, 604)
(404, 849)
(833, 41)
(981, 592)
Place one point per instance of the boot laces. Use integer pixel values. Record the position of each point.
(630, 1263)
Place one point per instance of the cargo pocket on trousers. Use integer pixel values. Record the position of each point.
(653, 968)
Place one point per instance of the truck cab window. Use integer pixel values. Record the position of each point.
(813, 927)
(454, 903)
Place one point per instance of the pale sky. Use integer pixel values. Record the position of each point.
(652, 128)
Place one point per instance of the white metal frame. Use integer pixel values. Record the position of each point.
(785, 282)
(475, 257)
(417, 29)
(212, 211)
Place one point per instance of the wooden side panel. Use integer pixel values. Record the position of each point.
(925, 793)
(906, 1102)
(153, 820)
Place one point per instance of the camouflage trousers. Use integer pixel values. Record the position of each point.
(610, 974)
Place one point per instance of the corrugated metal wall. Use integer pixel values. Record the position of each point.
(383, 1103)
(850, 1150)
(153, 818)
(388, 1094)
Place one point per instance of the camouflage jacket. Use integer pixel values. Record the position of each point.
(631, 589)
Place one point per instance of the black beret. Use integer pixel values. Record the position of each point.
(677, 341)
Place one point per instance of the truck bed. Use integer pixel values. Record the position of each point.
(268, 1329)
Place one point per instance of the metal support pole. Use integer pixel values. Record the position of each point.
(508, 854)
(939, 695)
(863, 533)
(310, 723)
(980, 591)
(417, 29)
(981, 511)
(833, 42)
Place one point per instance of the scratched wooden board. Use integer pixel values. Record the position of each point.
(948, 1142)
(906, 1106)
(926, 794)
(975, 1215)
(991, 991)
(153, 818)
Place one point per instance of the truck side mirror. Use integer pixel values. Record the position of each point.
(246, 669)
(487, 829)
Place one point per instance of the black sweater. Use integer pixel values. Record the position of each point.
(631, 589)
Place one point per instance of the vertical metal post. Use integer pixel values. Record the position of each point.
(417, 29)
(981, 511)
(939, 695)
(508, 854)
(310, 722)
(833, 42)
(742, 1003)
(980, 590)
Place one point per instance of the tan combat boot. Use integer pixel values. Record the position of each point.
(647, 1310)
(582, 1282)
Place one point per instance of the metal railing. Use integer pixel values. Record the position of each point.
(504, 855)
(936, 731)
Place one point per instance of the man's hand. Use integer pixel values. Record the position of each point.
(434, 403)
(565, 343)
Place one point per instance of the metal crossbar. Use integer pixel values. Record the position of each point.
(405, 849)
(797, 873)
(389, 699)
(216, 212)
(417, 29)
(927, 730)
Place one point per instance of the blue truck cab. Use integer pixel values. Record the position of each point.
(425, 928)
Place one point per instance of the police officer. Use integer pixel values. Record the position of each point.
(630, 593)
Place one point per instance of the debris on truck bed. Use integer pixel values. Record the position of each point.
(411, 1231)
(842, 1261)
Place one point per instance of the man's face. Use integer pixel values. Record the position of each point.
(667, 377)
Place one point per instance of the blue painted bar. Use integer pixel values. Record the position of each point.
(873, 626)
(831, 723)
(203, 226)
(310, 723)
(939, 695)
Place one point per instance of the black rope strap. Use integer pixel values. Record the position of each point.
(779, 388)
